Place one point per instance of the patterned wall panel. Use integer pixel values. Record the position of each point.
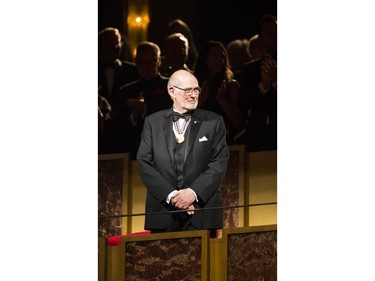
(233, 188)
(167, 256)
(251, 255)
(112, 193)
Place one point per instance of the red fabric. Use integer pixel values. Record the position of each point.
(115, 240)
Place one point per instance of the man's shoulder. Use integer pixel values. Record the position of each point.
(162, 78)
(159, 114)
(128, 65)
(131, 85)
(129, 70)
(206, 114)
(255, 63)
(198, 112)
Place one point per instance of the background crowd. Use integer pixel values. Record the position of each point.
(238, 81)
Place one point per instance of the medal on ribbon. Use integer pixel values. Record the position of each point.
(180, 139)
(180, 129)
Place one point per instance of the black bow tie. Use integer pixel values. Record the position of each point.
(176, 116)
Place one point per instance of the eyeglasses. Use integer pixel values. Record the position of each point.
(190, 91)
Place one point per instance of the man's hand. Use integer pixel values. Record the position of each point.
(191, 209)
(269, 71)
(183, 199)
(138, 107)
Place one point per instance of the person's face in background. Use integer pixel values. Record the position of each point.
(269, 37)
(177, 51)
(109, 47)
(148, 63)
(215, 59)
(237, 54)
(256, 47)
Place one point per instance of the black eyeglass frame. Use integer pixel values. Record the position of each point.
(190, 91)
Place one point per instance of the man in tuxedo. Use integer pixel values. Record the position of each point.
(175, 54)
(258, 92)
(182, 159)
(113, 72)
(139, 99)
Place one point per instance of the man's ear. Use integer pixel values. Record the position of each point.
(158, 62)
(171, 92)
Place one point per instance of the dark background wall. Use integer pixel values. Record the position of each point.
(111, 13)
(221, 20)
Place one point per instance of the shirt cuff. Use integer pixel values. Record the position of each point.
(143, 116)
(170, 196)
(262, 90)
(196, 197)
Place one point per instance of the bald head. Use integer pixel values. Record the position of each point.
(179, 77)
(255, 47)
(183, 89)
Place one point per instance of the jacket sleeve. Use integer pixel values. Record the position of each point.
(157, 184)
(209, 181)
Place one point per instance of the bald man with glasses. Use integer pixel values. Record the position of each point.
(182, 159)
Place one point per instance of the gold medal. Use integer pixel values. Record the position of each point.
(180, 139)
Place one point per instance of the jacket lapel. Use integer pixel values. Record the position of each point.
(168, 134)
(195, 124)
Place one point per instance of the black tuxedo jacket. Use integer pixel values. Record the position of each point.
(125, 73)
(204, 167)
(251, 98)
(258, 110)
(126, 136)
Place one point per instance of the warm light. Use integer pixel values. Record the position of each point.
(137, 22)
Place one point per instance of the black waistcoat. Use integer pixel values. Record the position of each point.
(179, 158)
